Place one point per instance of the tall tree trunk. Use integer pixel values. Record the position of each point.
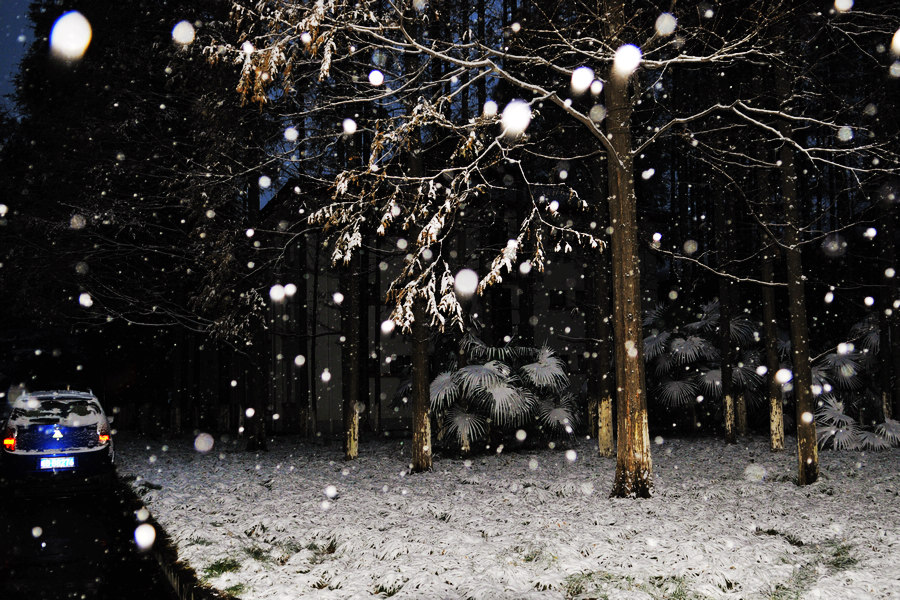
(889, 338)
(313, 431)
(301, 373)
(350, 357)
(807, 450)
(601, 380)
(775, 393)
(633, 462)
(421, 443)
(726, 347)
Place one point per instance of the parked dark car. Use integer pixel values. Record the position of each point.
(57, 438)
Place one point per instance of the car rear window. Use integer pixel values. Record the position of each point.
(52, 411)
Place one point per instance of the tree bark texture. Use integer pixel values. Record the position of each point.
(770, 330)
(421, 443)
(807, 448)
(601, 378)
(726, 348)
(350, 358)
(633, 462)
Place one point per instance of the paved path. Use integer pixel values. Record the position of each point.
(76, 546)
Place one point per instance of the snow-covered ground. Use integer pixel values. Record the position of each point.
(725, 522)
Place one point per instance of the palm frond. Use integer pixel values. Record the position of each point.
(653, 317)
(742, 330)
(784, 347)
(711, 383)
(559, 417)
(510, 405)
(846, 438)
(655, 344)
(547, 372)
(466, 427)
(663, 365)
(821, 378)
(889, 430)
(677, 392)
(867, 332)
(744, 374)
(707, 320)
(869, 440)
(844, 370)
(444, 391)
(832, 411)
(478, 350)
(475, 378)
(691, 349)
(841, 438)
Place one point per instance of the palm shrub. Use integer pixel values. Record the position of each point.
(845, 381)
(683, 358)
(501, 390)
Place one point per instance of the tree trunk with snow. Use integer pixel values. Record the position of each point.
(599, 333)
(421, 442)
(350, 357)
(633, 462)
(807, 449)
(770, 332)
(726, 348)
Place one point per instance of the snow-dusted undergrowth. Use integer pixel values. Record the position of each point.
(725, 522)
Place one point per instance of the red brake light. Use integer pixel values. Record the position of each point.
(103, 433)
(9, 439)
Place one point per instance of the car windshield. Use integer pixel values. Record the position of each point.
(56, 411)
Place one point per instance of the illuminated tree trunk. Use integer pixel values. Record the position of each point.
(599, 332)
(776, 413)
(726, 348)
(633, 463)
(421, 443)
(350, 358)
(807, 450)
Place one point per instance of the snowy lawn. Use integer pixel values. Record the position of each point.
(725, 522)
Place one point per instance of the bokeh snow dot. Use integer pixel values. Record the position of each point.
(203, 442)
(183, 33)
(490, 108)
(571, 455)
(291, 134)
(783, 376)
(144, 536)
(466, 282)
(70, 36)
(516, 117)
(627, 60)
(250, 412)
(349, 126)
(376, 77)
(755, 473)
(331, 492)
(85, 300)
(299, 360)
(843, 5)
(582, 78)
(690, 247)
(665, 24)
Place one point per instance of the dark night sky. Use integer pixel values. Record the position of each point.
(15, 37)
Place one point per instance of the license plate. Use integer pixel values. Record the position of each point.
(58, 462)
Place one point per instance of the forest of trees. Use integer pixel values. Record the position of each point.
(720, 179)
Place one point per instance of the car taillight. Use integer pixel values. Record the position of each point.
(103, 433)
(9, 439)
